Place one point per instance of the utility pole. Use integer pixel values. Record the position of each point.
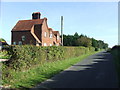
(62, 30)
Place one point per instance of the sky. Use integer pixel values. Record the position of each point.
(94, 19)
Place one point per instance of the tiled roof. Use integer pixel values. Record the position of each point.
(50, 28)
(24, 25)
(55, 32)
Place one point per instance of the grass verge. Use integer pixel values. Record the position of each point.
(40, 73)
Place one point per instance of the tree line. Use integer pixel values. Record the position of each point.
(83, 40)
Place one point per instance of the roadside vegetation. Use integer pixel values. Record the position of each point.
(28, 61)
(83, 40)
(115, 51)
(29, 65)
(22, 79)
(2, 40)
(4, 54)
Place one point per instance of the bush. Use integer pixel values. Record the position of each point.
(4, 54)
(96, 49)
(25, 56)
(108, 50)
(115, 51)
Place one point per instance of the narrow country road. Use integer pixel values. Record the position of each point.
(96, 71)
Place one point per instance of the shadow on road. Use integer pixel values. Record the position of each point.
(97, 71)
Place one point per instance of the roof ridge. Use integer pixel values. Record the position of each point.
(32, 19)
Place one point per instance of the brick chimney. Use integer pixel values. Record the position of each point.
(36, 15)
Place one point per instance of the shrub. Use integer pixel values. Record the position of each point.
(96, 49)
(4, 54)
(115, 51)
(108, 50)
(26, 56)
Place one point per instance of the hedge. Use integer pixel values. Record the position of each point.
(26, 56)
(115, 51)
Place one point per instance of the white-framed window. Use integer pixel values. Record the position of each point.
(20, 42)
(50, 35)
(45, 34)
(23, 38)
(50, 44)
(45, 44)
(57, 37)
(14, 43)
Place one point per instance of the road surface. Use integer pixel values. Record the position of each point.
(96, 71)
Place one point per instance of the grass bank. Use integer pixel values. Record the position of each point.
(40, 73)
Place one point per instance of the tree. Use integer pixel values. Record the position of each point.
(84, 41)
(81, 35)
(94, 42)
(75, 37)
(105, 46)
(68, 40)
(100, 44)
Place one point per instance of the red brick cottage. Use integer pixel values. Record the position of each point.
(35, 32)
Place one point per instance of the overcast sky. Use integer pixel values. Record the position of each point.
(94, 19)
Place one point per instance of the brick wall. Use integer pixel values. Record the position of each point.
(17, 36)
(46, 39)
(38, 31)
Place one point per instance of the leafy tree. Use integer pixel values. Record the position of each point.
(81, 35)
(68, 40)
(75, 37)
(94, 42)
(84, 41)
(105, 46)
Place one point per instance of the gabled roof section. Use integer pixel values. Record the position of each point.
(55, 32)
(24, 25)
(50, 29)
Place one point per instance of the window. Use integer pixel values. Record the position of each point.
(20, 42)
(14, 43)
(45, 34)
(51, 35)
(23, 38)
(57, 37)
(45, 44)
